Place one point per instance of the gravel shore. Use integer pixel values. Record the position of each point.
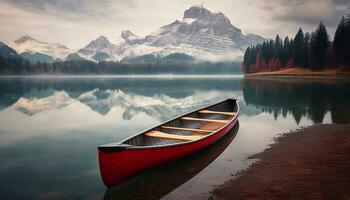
(313, 163)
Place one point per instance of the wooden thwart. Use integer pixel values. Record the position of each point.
(205, 120)
(217, 112)
(159, 134)
(211, 126)
(187, 129)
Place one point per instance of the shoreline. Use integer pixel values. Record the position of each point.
(303, 72)
(311, 163)
(127, 76)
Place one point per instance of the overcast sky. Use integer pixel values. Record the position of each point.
(76, 22)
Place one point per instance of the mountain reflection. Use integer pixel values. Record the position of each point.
(33, 106)
(11, 89)
(299, 97)
(158, 106)
(165, 98)
(158, 98)
(59, 121)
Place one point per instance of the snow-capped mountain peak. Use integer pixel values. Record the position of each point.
(100, 49)
(198, 12)
(130, 38)
(202, 34)
(99, 43)
(128, 35)
(28, 45)
(23, 39)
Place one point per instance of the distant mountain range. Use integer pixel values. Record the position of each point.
(201, 35)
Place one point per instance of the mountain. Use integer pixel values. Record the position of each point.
(202, 29)
(99, 49)
(6, 51)
(151, 58)
(35, 50)
(202, 34)
(34, 57)
(102, 49)
(130, 38)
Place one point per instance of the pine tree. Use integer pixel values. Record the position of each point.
(318, 46)
(278, 51)
(306, 49)
(299, 49)
(246, 60)
(341, 40)
(285, 55)
(347, 41)
(264, 51)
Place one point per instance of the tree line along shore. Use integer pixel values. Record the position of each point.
(20, 66)
(308, 51)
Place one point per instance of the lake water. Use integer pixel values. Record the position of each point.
(50, 128)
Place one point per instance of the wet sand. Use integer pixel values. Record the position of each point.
(313, 163)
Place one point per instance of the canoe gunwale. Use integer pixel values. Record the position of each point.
(112, 147)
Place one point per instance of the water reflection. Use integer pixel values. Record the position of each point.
(300, 97)
(11, 89)
(159, 182)
(157, 98)
(50, 128)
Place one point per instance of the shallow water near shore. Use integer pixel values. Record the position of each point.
(50, 128)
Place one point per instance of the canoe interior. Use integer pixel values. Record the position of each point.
(225, 106)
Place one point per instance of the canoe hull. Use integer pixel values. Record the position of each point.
(118, 166)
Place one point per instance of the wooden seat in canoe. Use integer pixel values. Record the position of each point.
(187, 129)
(211, 126)
(217, 112)
(159, 134)
(206, 120)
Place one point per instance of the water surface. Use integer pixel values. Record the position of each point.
(50, 128)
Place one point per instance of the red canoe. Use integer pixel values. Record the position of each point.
(166, 142)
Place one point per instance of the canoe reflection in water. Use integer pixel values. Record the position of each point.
(160, 181)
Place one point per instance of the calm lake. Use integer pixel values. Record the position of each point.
(50, 128)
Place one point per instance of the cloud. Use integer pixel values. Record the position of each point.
(74, 23)
(74, 9)
(311, 12)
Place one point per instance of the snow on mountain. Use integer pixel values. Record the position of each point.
(130, 38)
(203, 34)
(104, 49)
(160, 106)
(100, 49)
(29, 45)
(253, 39)
(33, 106)
(126, 38)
